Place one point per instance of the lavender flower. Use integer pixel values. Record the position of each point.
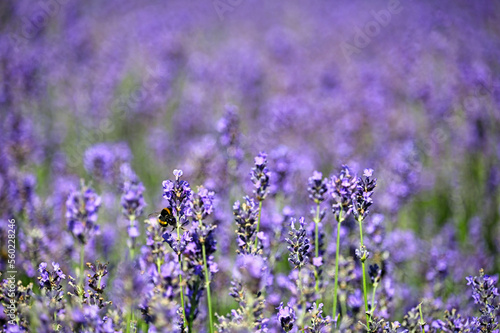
(50, 280)
(103, 160)
(230, 137)
(81, 213)
(286, 317)
(298, 244)
(52, 290)
(178, 245)
(178, 195)
(485, 294)
(318, 322)
(133, 204)
(260, 176)
(362, 254)
(343, 190)
(252, 271)
(132, 199)
(95, 296)
(364, 191)
(245, 215)
(317, 187)
(199, 253)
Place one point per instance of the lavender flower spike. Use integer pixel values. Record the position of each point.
(286, 317)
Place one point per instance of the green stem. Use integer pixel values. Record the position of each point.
(360, 220)
(258, 225)
(335, 288)
(129, 320)
(158, 265)
(343, 305)
(316, 243)
(132, 249)
(180, 276)
(207, 281)
(82, 257)
(422, 323)
(301, 299)
(375, 285)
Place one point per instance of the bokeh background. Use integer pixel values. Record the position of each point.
(204, 86)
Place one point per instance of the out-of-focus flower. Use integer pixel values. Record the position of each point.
(82, 207)
(252, 271)
(103, 160)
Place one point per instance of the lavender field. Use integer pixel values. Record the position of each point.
(249, 166)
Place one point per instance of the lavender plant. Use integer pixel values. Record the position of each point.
(342, 189)
(133, 204)
(362, 201)
(260, 177)
(178, 195)
(206, 84)
(82, 207)
(317, 189)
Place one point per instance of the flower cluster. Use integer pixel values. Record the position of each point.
(178, 195)
(286, 317)
(260, 176)
(364, 191)
(343, 192)
(485, 293)
(245, 215)
(82, 207)
(317, 186)
(298, 244)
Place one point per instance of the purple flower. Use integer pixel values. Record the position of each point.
(363, 196)
(178, 245)
(484, 291)
(252, 271)
(343, 190)
(178, 174)
(81, 213)
(178, 195)
(230, 135)
(298, 244)
(50, 280)
(368, 173)
(103, 160)
(318, 322)
(317, 187)
(132, 199)
(245, 215)
(286, 317)
(202, 203)
(318, 261)
(260, 176)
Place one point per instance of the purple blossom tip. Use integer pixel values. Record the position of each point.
(317, 175)
(178, 173)
(368, 172)
(318, 261)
